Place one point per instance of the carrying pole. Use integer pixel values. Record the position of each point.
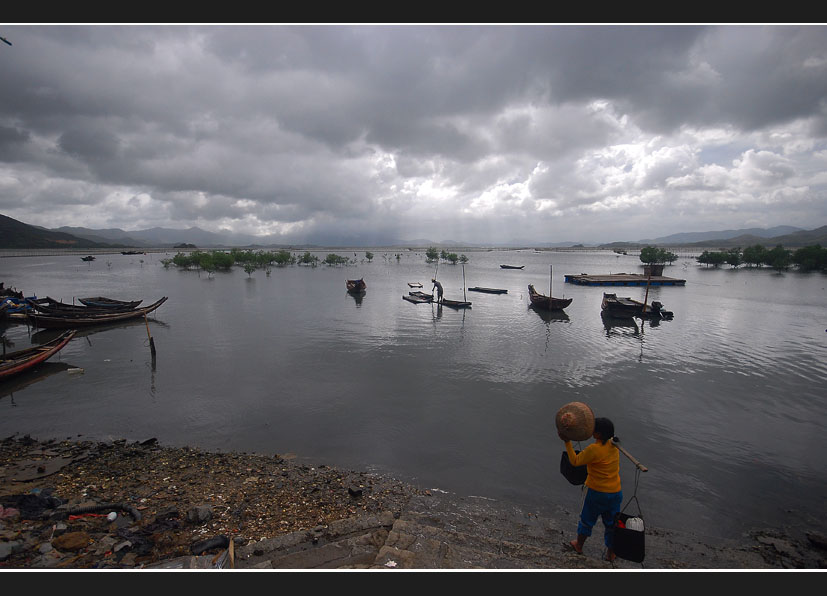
(638, 465)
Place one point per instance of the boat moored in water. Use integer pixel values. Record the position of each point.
(546, 302)
(104, 302)
(356, 286)
(17, 362)
(83, 319)
(627, 308)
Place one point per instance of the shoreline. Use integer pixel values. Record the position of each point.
(119, 505)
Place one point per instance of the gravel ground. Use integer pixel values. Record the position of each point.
(57, 498)
(119, 505)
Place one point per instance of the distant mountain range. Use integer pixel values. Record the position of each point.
(787, 236)
(15, 234)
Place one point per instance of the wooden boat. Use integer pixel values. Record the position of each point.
(18, 305)
(16, 362)
(626, 308)
(545, 302)
(416, 299)
(356, 286)
(488, 290)
(422, 296)
(414, 284)
(51, 306)
(455, 303)
(64, 321)
(89, 258)
(104, 302)
(511, 266)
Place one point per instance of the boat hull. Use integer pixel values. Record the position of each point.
(545, 302)
(627, 308)
(17, 362)
(71, 321)
(356, 286)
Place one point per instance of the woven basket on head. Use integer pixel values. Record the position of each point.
(575, 421)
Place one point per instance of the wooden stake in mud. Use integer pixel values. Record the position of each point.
(151, 340)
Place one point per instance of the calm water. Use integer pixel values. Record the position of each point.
(724, 404)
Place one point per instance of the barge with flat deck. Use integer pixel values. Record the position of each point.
(623, 279)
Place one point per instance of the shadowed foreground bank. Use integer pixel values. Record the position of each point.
(82, 505)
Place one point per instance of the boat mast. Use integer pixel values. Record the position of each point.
(646, 296)
(464, 297)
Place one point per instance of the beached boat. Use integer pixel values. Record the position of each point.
(511, 266)
(16, 362)
(546, 302)
(67, 321)
(488, 290)
(356, 286)
(104, 302)
(626, 308)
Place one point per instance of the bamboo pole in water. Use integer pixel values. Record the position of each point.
(151, 340)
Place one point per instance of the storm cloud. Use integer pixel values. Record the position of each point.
(479, 134)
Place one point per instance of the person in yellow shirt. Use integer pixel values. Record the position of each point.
(603, 497)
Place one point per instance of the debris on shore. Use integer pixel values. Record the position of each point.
(78, 504)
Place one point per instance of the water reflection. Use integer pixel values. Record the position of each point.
(452, 399)
(23, 380)
(551, 316)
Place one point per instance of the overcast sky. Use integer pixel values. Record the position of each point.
(471, 133)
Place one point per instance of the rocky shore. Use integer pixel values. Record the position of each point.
(122, 505)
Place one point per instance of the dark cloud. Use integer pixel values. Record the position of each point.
(545, 129)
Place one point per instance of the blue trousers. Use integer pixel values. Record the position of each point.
(604, 505)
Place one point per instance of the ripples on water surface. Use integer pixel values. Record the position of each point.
(724, 403)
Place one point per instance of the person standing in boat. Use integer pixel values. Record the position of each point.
(438, 288)
(603, 497)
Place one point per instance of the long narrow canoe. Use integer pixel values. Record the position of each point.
(455, 303)
(17, 362)
(104, 302)
(416, 299)
(511, 266)
(488, 290)
(66, 322)
(50, 306)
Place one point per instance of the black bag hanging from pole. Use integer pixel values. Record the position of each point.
(629, 534)
(574, 474)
